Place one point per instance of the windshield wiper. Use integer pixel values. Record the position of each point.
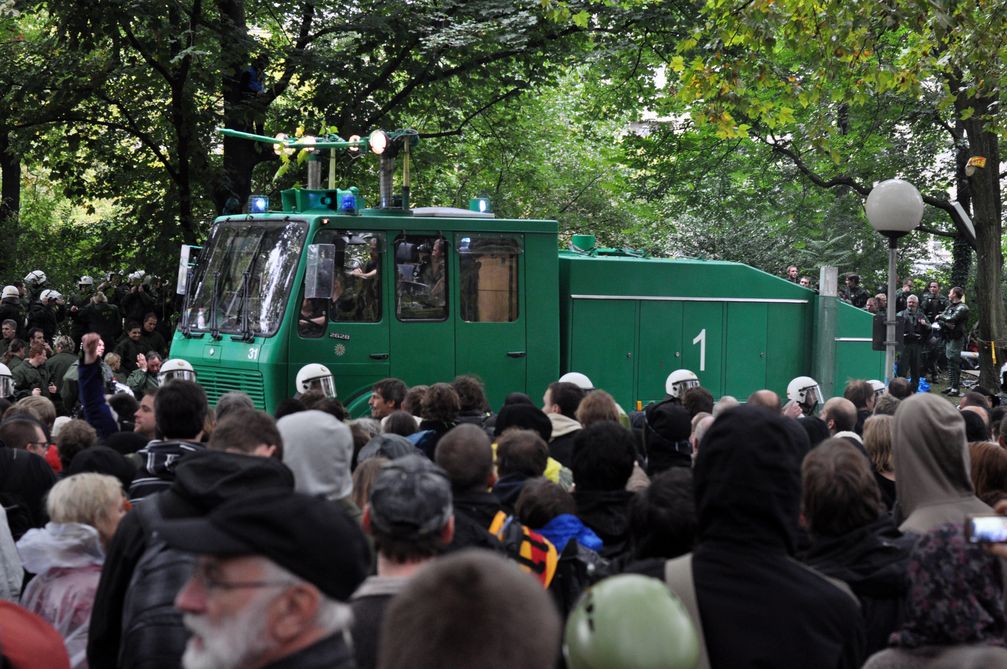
(186, 327)
(246, 327)
(214, 326)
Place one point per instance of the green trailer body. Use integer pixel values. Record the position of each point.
(496, 314)
(627, 322)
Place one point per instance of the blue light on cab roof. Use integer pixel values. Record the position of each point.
(258, 204)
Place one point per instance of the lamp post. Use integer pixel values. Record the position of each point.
(894, 208)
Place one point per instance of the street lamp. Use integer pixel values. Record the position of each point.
(894, 208)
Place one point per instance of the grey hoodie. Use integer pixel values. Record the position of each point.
(317, 448)
(932, 481)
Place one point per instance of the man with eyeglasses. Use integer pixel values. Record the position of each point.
(269, 589)
(134, 622)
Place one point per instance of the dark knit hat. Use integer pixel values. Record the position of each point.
(524, 416)
(310, 537)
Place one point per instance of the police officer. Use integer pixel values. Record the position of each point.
(85, 289)
(47, 313)
(933, 304)
(916, 335)
(952, 324)
(854, 293)
(12, 309)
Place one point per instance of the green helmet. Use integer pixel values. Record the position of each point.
(628, 622)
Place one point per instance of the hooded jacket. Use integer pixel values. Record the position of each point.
(67, 559)
(760, 607)
(318, 447)
(561, 443)
(201, 484)
(932, 482)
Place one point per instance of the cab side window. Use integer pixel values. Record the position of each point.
(488, 278)
(356, 282)
(421, 278)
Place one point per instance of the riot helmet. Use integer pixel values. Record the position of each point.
(805, 391)
(679, 381)
(176, 368)
(318, 376)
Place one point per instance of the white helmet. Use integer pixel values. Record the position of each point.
(577, 379)
(11, 291)
(6, 381)
(879, 387)
(49, 295)
(805, 391)
(85, 281)
(36, 277)
(315, 375)
(679, 381)
(137, 275)
(176, 368)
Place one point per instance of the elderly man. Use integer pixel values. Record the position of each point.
(270, 586)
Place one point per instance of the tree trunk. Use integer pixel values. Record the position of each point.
(961, 251)
(984, 185)
(10, 203)
(243, 109)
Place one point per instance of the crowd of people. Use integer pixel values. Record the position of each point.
(553, 531)
(934, 325)
(41, 329)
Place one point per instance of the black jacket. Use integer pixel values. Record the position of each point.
(872, 560)
(607, 513)
(201, 484)
(759, 606)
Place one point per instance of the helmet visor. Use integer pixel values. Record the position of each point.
(812, 396)
(6, 386)
(171, 375)
(324, 383)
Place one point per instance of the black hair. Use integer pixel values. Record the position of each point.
(662, 516)
(180, 409)
(566, 396)
(603, 457)
(391, 390)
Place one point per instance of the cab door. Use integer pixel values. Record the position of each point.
(422, 332)
(490, 329)
(347, 331)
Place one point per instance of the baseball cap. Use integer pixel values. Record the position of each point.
(410, 498)
(310, 537)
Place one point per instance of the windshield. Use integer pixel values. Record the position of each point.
(268, 251)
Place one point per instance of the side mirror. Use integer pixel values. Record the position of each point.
(318, 276)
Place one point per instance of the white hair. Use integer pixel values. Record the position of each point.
(332, 616)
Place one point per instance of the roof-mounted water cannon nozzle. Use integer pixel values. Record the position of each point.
(387, 145)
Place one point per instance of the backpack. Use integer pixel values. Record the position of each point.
(152, 630)
(534, 553)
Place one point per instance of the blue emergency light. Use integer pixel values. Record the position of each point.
(258, 204)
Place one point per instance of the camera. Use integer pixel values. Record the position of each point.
(986, 529)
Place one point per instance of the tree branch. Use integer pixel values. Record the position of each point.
(514, 92)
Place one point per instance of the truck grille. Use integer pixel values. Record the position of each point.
(217, 381)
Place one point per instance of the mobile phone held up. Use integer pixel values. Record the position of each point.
(986, 529)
